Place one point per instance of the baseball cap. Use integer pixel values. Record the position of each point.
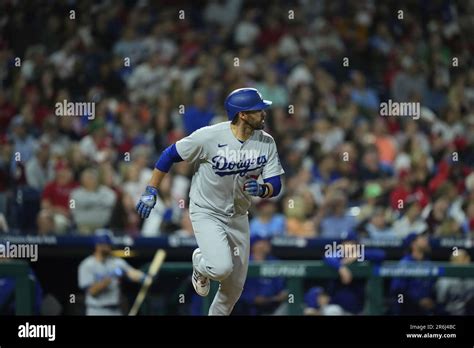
(411, 237)
(311, 297)
(103, 236)
(372, 190)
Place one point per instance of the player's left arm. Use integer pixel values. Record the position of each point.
(135, 275)
(271, 174)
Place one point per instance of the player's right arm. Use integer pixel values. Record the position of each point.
(189, 149)
(148, 199)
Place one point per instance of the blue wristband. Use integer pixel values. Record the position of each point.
(264, 191)
(152, 190)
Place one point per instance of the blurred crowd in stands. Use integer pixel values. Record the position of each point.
(158, 72)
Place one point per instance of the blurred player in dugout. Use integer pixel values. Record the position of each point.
(100, 275)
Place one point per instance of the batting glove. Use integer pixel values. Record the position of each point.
(253, 188)
(147, 202)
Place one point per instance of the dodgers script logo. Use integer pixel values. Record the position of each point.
(223, 165)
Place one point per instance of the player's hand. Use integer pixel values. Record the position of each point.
(147, 202)
(426, 303)
(345, 275)
(253, 188)
(146, 279)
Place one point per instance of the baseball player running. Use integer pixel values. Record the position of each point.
(228, 159)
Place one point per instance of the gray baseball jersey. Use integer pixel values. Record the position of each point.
(91, 271)
(222, 164)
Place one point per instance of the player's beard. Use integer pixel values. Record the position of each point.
(256, 124)
(106, 252)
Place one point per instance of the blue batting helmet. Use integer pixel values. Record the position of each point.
(244, 99)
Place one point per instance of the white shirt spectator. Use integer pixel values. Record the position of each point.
(222, 12)
(147, 81)
(36, 175)
(92, 209)
(246, 33)
(404, 227)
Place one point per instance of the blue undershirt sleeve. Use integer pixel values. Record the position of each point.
(276, 183)
(168, 157)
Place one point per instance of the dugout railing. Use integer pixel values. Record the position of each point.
(296, 272)
(24, 284)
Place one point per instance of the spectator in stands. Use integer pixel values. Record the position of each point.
(385, 143)
(459, 207)
(149, 78)
(6, 173)
(324, 172)
(378, 228)
(335, 221)
(45, 223)
(247, 30)
(7, 110)
(297, 213)
(58, 142)
(371, 168)
(39, 169)
(267, 223)
(181, 183)
(93, 203)
(198, 114)
(272, 90)
(456, 295)
(437, 214)
(362, 95)
(318, 302)
(372, 193)
(414, 296)
(140, 156)
(131, 185)
(24, 142)
(449, 228)
(56, 197)
(411, 221)
(96, 145)
(410, 80)
(264, 296)
(468, 225)
(77, 161)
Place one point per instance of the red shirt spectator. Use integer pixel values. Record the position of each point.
(56, 193)
(406, 192)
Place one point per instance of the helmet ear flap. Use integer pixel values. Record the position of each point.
(235, 118)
